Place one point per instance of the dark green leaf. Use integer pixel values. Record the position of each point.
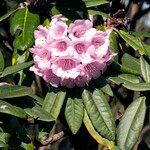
(7, 15)
(2, 63)
(38, 99)
(27, 22)
(14, 91)
(95, 12)
(145, 69)
(74, 114)
(140, 34)
(14, 69)
(3, 144)
(39, 113)
(133, 41)
(53, 103)
(100, 113)
(113, 42)
(131, 124)
(92, 3)
(12, 110)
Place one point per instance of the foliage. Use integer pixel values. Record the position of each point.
(112, 108)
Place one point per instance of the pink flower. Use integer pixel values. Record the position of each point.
(58, 30)
(79, 28)
(70, 56)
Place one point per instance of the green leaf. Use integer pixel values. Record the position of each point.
(12, 110)
(131, 63)
(74, 114)
(100, 113)
(3, 144)
(95, 12)
(102, 84)
(145, 69)
(140, 34)
(92, 3)
(7, 15)
(27, 22)
(14, 69)
(14, 91)
(37, 99)
(125, 78)
(113, 42)
(4, 139)
(2, 63)
(53, 103)
(131, 124)
(102, 141)
(39, 113)
(28, 146)
(133, 41)
(137, 86)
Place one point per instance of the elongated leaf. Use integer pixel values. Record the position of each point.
(113, 42)
(3, 144)
(4, 139)
(140, 34)
(134, 42)
(74, 114)
(95, 12)
(39, 113)
(92, 3)
(137, 86)
(125, 78)
(131, 124)
(102, 141)
(100, 113)
(14, 91)
(7, 15)
(102, 84)
(12, 110)
(53, 103)
(145, 69)
(27, 22)
(131, 63)
(2, 63)
(14, 69)
(36, 98)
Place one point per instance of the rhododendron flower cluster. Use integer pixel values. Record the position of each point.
(70, 55)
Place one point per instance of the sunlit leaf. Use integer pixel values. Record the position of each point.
(92, 3)
(124, 78)
(74, 114)
(53, 103)
(131, 63)
(27, 22)
(145, 69)
(100, 113)
(102, 141)
(131, 124)
(137, 86)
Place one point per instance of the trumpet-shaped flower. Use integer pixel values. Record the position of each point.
(70, 55)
